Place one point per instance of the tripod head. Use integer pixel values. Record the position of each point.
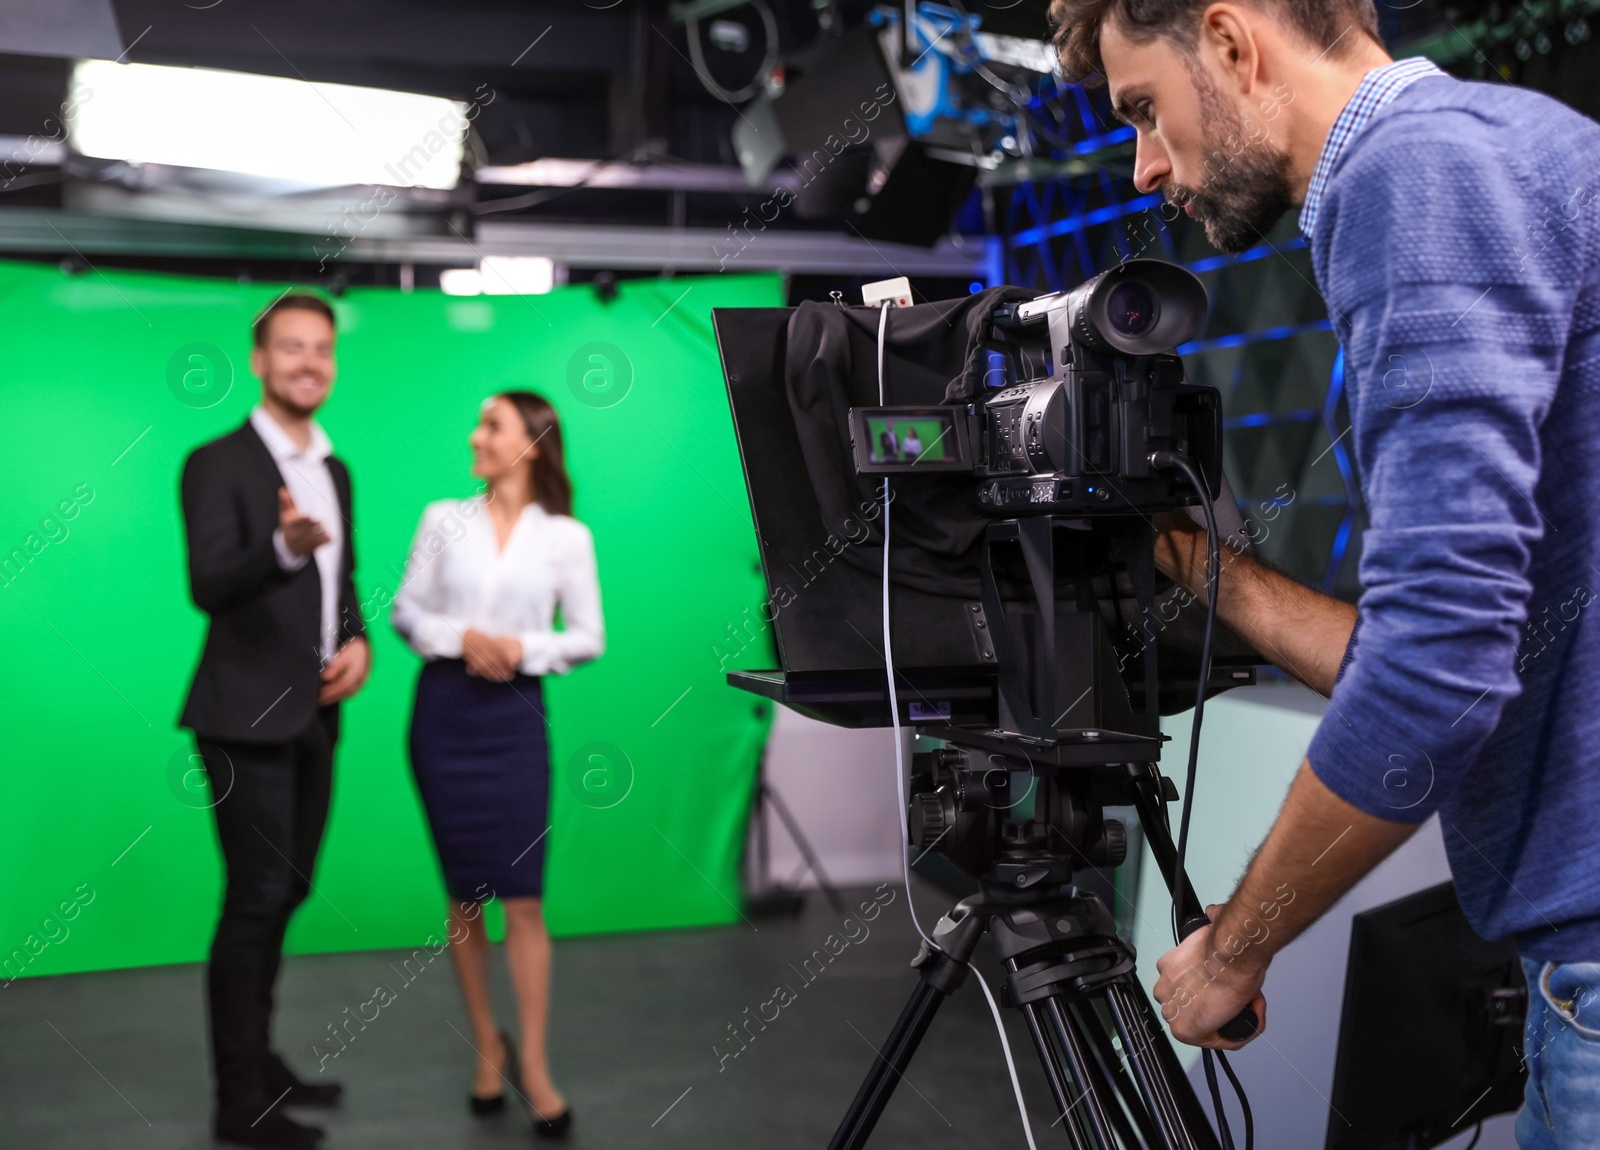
(1001, 821)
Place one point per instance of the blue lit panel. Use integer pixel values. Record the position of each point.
(1266, 348)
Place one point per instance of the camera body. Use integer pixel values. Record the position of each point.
(1078, 439)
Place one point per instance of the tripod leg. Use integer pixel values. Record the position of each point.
(942, 965)
(1059, 1088)
(1189, 1105)
(888, 1068)
(1113, 1069)
(1158, 836)
(1092, 1100)
(1152, 1073)
(763, 862)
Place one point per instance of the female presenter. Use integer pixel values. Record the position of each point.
(480, 591)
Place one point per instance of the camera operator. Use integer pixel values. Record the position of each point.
(1454, 237)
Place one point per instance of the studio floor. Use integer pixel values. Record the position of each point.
(118, 1059)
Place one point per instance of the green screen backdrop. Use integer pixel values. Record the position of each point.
(108, 853)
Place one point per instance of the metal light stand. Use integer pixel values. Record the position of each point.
(768, 897)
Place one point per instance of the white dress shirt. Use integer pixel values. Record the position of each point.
(457, 579)
(310, 483)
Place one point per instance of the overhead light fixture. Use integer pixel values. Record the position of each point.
(730, 35)
(517, 275)
(1034, 55)
(461, 281)
(501, 275)
(318, 135)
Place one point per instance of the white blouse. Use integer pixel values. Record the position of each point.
(457, 579)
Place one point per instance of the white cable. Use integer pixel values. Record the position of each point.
(888, 659)
(1016, 1087)
(899, 760)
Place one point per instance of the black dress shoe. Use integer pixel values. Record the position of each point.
(556, 1127)
(301, 1093)
(271, 1131)
(314, 1094)
(496, 1104)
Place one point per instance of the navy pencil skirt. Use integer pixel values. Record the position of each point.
(480, 752)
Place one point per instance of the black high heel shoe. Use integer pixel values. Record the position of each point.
(556, 1127)
(484, 1107)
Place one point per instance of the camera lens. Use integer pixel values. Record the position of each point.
(1131, 309)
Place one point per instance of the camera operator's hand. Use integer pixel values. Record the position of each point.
(301, 534)
(1205, 981)
(491, 657)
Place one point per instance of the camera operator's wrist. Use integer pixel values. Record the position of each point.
(1234, 574)
(1181, 553)
(1239, 586)
(1244, 939)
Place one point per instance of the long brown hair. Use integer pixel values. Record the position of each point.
(552, 486)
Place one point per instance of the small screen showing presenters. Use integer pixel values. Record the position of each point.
(924, 439)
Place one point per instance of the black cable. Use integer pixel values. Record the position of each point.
(1216, 1100)
(1476, 1134)
(1244, 1103)
(1213, 572)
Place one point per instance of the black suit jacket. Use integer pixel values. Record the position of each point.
(261, 667)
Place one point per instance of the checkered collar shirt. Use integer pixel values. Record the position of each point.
(1377, 88)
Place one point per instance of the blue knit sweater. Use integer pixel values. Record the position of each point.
(1458, 249)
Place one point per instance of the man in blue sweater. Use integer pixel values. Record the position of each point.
(1455, 237)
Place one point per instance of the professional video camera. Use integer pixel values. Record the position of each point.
(954, 504)
(1080, 440)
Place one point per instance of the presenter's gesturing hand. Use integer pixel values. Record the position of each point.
(1207, 979)
(346, 672)
(301, 533)
(491, 657)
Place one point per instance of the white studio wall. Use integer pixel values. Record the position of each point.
(839, 785)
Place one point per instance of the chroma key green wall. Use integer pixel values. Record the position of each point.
(108, 855)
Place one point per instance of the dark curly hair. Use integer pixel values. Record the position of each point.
(1078, 22)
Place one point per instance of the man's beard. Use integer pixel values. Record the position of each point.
(1244, 194)
(285, 396)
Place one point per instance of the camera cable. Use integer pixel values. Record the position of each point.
(1180, 929)
(899, 762)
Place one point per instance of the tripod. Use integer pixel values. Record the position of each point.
(770, 897)
(1066, 716)
(1073, 980)
(1116, 1082)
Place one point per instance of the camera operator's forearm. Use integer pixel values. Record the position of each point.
(1298, 629)
(1318, 849)
(1302, 631)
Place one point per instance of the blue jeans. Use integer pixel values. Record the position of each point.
(1561, 1106)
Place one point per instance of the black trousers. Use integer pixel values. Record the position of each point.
(271, 805)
